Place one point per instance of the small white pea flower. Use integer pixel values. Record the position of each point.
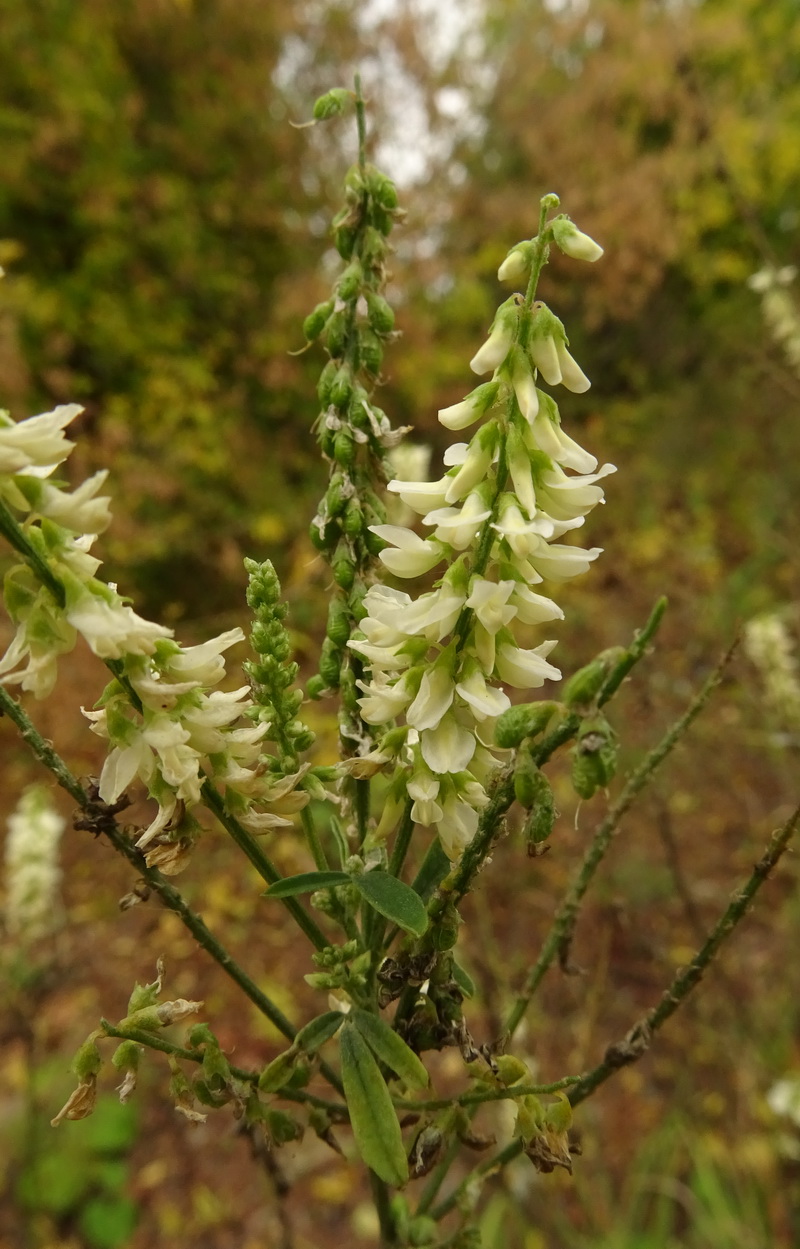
(457, 827)
(433, 615)
(480, 454)
(566, 498)
(526, 669)
(434, 697)
(409, 555)
(516, 266)
(471, 409)
(486, 701)
(110, 627)
(550, 437)
(524, 386)
(489, 601)
(555, 562)
(459, 526)
(423, 787)
(421, 496)
(501, 338)
(448, 747)
(573, 242)
(534, 608)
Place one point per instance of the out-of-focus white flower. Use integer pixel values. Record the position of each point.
(33, 875)
(784, 1098)
(109, 626)
(770, 647)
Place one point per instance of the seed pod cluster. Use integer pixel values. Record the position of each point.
(354, 433)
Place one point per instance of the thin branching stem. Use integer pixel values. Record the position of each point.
(637, 1042)
(560, 935)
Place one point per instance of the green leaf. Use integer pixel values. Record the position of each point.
(390, 1048)
(464, 981)
(318, 1031)
(394, 900)
(306, 882)
(372, 1115)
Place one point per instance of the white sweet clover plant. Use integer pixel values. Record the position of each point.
(426, 721)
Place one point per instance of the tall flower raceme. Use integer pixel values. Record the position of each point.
(440, 661)
(354, 433)
(166, 722)
(32, 873)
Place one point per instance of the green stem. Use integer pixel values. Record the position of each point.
(155, 1041)
(402, 841)
(380, 1195)
(489, 1095)
(100, 818)
(638, 1040)
(16, 536)
(361, 122)
(541, 248)
(560, 935)
(263, 865)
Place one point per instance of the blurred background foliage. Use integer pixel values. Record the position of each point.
(164, 229)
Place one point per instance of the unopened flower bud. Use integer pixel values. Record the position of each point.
(582, 688)
(381, 315)
(314, 323)
(573, 242)
(516, 266)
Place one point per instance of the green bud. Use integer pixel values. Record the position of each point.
(344, 570)
(316, 687)
(282, 1127)
(323, 538)
(336, 333)
(342, 387)
(381, 315)
(338, 628)
(276, 1073)
(380, 219)
(542, 817)
(326, 381)
(381, 188)
(314, 323)
(585, 685)
(349, 283)
(444, 934)
(330, 662)
(526, 780)
(510, 1069)
(354, 523)
(323, 980)
(422, 1230)
(332, 103)
(370, 351)
(344, 237)
(88, 1061)
(126, 1056)
(524, 720)
(344, 447)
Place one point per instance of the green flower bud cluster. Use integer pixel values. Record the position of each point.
(273, 675)
(354, 433)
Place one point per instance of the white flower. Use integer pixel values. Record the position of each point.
(497, 346)
(458, 526)
(383, 701)
(424, 789)
(38, 441)
(203, 664)
(549, 435)
(433, 615)
(421, 496)
(784, 1098)
(489, 601)
(472, 472)
(566, 497)
(412, 555)
(471, 409)
(522, 535)
(434, 697)
(516, 265)
(526, 669)
(525, 387)
(41, 637)
(558, 563)
(111, 628)
(82, 510)
(534, 608)
(448, 747)
(33, 875)
(486, 701)
(457, 827)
